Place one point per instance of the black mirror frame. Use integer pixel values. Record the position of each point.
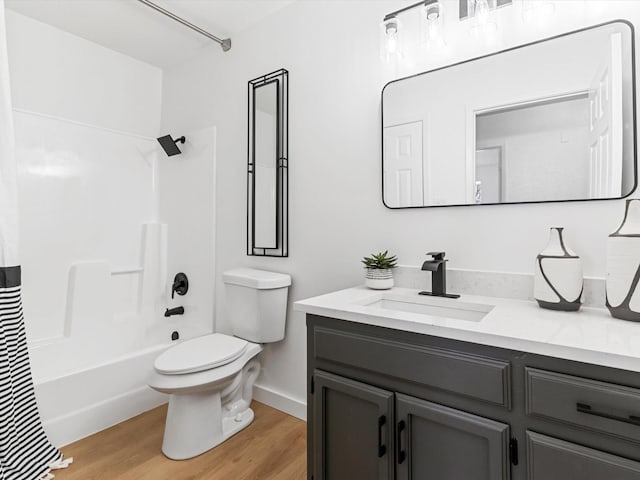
(634, 114)
(281, 79)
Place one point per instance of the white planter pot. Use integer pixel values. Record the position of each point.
(623, 266)
(378, 279)
(558, 275)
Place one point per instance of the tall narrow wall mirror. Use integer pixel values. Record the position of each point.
(267, 174)
(548, 121)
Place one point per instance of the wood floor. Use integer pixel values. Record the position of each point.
(272, 447)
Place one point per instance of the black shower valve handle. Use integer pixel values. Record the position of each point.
(175, 287)
(180, 285)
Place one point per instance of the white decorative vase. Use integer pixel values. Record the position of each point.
(623, 265)
(379, 279)
(558, 275)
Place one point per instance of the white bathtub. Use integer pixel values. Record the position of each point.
(88, 399)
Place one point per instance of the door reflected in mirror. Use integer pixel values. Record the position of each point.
(548, 121)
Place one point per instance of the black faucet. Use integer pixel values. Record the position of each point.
(438, 269)
(174, 311)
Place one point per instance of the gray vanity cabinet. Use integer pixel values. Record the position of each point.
(389, 404)
(355, 435)
(434, 441)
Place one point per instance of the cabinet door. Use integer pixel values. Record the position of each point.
(552, 459)
(438, 442)
(352, 430)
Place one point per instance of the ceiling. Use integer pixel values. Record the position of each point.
(132, 28)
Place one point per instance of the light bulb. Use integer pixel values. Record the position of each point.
(432, 25)
(434, 30)
(391, 36)
(392, 44)
(482, 11)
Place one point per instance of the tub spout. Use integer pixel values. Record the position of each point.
(174, 311)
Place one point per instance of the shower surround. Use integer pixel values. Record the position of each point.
(95, 269)
(95, 250)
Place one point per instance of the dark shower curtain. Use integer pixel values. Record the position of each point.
(25, 451)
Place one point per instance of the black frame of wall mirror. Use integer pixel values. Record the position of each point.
(280, 245)
(634, 119)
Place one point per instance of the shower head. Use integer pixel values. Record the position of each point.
(169, 144)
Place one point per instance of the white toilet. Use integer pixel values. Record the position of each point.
(210, 378)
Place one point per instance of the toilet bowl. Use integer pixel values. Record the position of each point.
(210, 378)
(210, 394)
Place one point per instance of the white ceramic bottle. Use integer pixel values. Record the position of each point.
(623, 265)
(558, 279)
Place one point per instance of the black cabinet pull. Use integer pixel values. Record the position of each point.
(513, 451)
(584, 408)
(402, 455)
(382, 449)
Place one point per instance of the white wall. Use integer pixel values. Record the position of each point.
(56, 73)
(331, 50)
(545, 150)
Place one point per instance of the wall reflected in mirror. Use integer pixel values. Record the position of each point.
(549, 121)
(266, 165)
(267, 173)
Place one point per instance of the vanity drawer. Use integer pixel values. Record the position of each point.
(473, 376)
(591, 404)
(549, 458)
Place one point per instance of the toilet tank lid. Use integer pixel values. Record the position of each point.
(253, 278)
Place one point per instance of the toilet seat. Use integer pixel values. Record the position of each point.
(205, 379)
(201, 353)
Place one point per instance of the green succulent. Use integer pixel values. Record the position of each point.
(381, 261)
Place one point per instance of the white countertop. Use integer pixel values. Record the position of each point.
(590, 335)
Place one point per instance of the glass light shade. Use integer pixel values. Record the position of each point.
(390, 39)
(432, 25)
(483, 27)
(482, 11)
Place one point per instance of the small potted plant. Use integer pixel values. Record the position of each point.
(379, 267)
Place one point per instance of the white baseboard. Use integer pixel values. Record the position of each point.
(66, 429)
(71, 427)
(280, 401)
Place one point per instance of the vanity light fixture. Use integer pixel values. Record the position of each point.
(432, 21)
(480, 10)
(391, 37)
(394, 39)
(391, 28)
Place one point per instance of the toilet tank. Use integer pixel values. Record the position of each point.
(256, 303)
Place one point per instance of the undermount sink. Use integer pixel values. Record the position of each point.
(433, 307)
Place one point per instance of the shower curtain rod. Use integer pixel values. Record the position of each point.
(224, 43)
